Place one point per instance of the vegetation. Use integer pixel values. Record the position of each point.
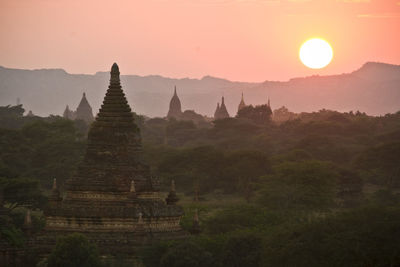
(74, 250)
(321, 189)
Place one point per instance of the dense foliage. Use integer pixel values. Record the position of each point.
(74, 250)
(320, 189)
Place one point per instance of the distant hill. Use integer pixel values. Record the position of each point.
(374, 89)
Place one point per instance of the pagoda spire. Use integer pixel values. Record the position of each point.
(175, 109)
(84, 110)
(113, 140)
(132, 191)
(241, 104)
(28, 223)
(223, 112)
(216, 113)
(55, 196)
(172, 197)
(196, 225)
(114, 79)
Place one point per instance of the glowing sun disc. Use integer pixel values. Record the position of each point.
(316, 53)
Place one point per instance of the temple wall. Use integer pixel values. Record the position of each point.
(108, 196)
(164, 224)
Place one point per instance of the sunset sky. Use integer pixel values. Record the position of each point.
(245, 40)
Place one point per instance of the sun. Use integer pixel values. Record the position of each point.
(316, 53)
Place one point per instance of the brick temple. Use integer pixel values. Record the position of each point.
(112, 198)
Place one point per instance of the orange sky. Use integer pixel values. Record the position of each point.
(246, 40)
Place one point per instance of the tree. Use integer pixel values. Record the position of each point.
(21, 192)
(243, 249)
(299, 186)
(259, 114)
(361, 237)
(186, 254)
(380, 164)
(243, 168)
(74, 250)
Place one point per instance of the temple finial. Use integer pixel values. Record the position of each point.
(115, 68)
(173, 185)
(132, 192)
(114, 74)
(140, 224)
(132, 189)
(55, 194)
(27, 227)
(196, 225)
(140, 219)
(28, 218)
(172, 197)
(54, 184)
(175, 90)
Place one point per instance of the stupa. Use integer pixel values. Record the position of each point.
(175, 110)
(84, 110)
(221, 112)
(112, 198)
(242, 105)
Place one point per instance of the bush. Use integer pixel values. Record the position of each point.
(74, 250)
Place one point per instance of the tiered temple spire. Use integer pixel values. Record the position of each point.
(175, 109)
(84, 110)
(241, 104)
(112, 196)
(216, 111)
(221, 112)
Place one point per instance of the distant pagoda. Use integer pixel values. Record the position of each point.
(68, 114)
(112, 198)
(175, 109)
(241, 104)
(83, 111)
(221, 112)
(216, 111)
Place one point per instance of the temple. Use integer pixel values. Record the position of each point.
(175, 110)
(221, 112)
(68, 114)
(241, 104)
(112, 198)
(83, 111)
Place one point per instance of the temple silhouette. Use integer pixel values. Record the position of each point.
(112, 198)
(221, 112)
(175, 111)
(83, 111)
(241, 104)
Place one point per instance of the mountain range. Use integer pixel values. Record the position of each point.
(374, 88)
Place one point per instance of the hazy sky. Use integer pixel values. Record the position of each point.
(247, 40)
